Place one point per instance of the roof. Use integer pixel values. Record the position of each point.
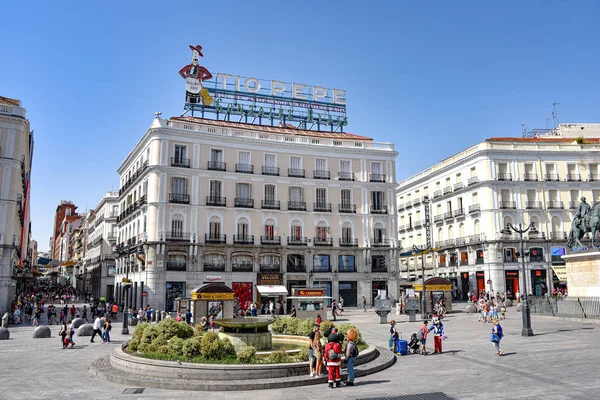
(8, 100)
(290, 130)
(437, 281)
(541, 140)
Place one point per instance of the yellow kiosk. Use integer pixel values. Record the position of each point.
(209, 296)
(309, 302)
(436, 289)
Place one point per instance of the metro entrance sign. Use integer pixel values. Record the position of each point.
(265, 102)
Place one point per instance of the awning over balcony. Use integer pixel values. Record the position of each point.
(272, 290)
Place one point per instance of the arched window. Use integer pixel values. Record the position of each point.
(556, 224)
(476, 227)
(461, 230)
(322, 230)
(177, 226)
(440, 234)
(507, 220)
(450, 232)
(243, 230)
(269, 228)
(347, 233)
(534, 220)
(214, 227)
(378, 234)
(296, 230)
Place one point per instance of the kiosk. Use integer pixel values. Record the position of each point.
(215, 294)
(309, 303)
(436, 289)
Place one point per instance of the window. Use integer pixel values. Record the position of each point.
(505, 194)
(214, 227)
(270, 193)
(321, 263)
(242, 228)
(346, 198)
(242, 191)
(180, 154)
(68, 211)
(295, 263)
(378, 234)
(244, 158)
(322, 231)
(321, 164)
(346, 264)
(441, 260)
(295, 194)
(321, 197)
(378, 264)
(270, 160)
(536, 254)
(531, 195)
(479, 257)
(377, 200)
(510, 255)
(376, 168)
(177, 228)
(269, 228)
(216, 156)
(176, 261)
(346, 166)
(179, 185)
(346, 233)
(296, 163)
(296, 231)
(215, 189)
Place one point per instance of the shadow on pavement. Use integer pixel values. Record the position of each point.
(362, 383)
(509, 354)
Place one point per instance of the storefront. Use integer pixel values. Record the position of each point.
(173, 291)
(464, 285)
(269, 287)
(349, 292)
(538, 282)
(324, 283)
(376, 287)
(309, 303)
(512, 283)
(292, 284)
(211, 295)
(480, 275)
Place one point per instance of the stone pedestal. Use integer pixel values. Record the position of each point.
(383, 316)
(583, 273)
(4, 333)
(470, 308)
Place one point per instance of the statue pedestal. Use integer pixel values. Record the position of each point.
(583, 273)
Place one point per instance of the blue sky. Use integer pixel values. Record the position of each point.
(433, 77)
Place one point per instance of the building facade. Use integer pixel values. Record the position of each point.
(16, 153)
(203, 201)
(474, 194)
(64, 209)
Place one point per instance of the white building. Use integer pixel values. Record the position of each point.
(204, 200)
(476, 192)
(16, 152)
(101, 237)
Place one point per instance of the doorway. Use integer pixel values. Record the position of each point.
(348, 291)
(512, 283)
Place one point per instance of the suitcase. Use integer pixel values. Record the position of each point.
(402, 347)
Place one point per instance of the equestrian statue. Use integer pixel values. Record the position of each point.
(587, 219)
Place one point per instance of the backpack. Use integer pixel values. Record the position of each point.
(332, 355)
(500, 333)
(354, 351)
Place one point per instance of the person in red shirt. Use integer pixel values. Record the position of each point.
(333, 356)
(73, 311)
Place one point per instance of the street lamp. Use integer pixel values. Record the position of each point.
(422, 251)
(126, 282)
(526, 331)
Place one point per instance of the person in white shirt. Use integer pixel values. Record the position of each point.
(97, 328)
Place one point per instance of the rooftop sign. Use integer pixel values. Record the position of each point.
(266, 102)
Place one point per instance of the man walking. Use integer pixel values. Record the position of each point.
(97, 328)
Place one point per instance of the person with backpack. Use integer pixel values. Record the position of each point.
(422, 337)
(333, 356)
(393, 336)
(63, 335)
(351, 354)
(496, 336)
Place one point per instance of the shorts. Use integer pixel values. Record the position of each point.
(423, 342)
(311, 353)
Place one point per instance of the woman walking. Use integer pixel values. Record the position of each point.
(106, 333)
(496, 336)
(364, 304)
(393, 336)
(63, 335)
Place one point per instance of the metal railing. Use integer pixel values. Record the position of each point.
(216, 166)
(297, 241)
(533, 204)
(323, 241)
(530, 177)
(581, 307)
(216, 201)
(322, 207)
(244, 202)
(473, 180)
(270, 204)
(272, 240)
(296, 173)
(213, 238)
(319, 174)
(346, 176)
(243, 239)
(474, 208)
(268, 170)
(508, 204)
(504, 176)
(555, 204)
(348, 242)
(297, 205)
(376, 178)
(179, 198)
(244, 168)
(379, 209)
(180, 162)
(552, 177)
(347, 208)
(573, 177)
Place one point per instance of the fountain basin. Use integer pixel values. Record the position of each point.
(244, 332)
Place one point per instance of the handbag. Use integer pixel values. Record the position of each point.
(494, 338)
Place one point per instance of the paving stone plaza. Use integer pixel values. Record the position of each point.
(559, 362)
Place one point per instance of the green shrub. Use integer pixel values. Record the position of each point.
(171, 328)
(303, 355)
(150, 333)
(292, 326)
(247, 355)
(306, 327)
(278, 327)
(213, 348)
(278, 357)
(160, 340)
(163, 349)
(133, 345)
(142, 347)
(176, 345)
(192, 347)
(139, 330)
(344, 328)
(326, 326)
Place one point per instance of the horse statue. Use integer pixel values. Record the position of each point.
(586, 220)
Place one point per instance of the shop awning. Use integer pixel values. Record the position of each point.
(272, 290)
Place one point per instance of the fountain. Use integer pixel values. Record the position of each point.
(244, 332)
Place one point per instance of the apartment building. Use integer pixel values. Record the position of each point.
(250, 205)
(16, 152)
(64, 209)
(474, 194)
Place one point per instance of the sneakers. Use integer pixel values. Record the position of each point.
(312, 374)
(330, 385)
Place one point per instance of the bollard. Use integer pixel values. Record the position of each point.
(163, 314)
(5, 320)
(158, 316)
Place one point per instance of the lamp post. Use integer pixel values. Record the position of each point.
(422, 251)
(126, 283)
(526, 331)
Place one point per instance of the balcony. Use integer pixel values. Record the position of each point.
(444, 243)
(552, 177)
(448, 215)
(459, 186)
(478, 261)
(573, 205)
(473, 180)
(179, 198)
(322, 207)
(400, 207)
(318, 174)
(214, 267)
(504, 176)
(508, 205)
(270, 268)
(379, 209)
(322, 241)
(461, 241)
(558, 235)
(296, 267)
(348, 242)
(215, 239)
(273, 171)
(402, 228)
(438, 218)
(408, 203)
(574, 177)
(271, 240)
(216, 201)
(347, 208)
(594, 177)
(417, 201)
(437, 193)
(376, 178)
(533, 205)
(555, 205)
(270, 204)
(177, 236)
(475, 208)
(297, 205)
(478, 238)
(243, 202)
(242, 267)
(418, 224)
(133, 178)
(296, 173)
(378, 242)
(530, 177)
(180, 162)
(297, 241)
(216, 166)
(243, 239)
(459, 213)
(244, 168)
(447, 189)
(346, 176)
(176, 266)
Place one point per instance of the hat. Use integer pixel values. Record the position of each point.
(333, 338)
(197, 48)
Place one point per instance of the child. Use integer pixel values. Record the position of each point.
(503, 311)
(423, 330)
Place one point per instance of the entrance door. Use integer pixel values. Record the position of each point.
(464, 285)
(538, 282)
(349, 294)
(375, 287)
(512, 283)
(480, 282)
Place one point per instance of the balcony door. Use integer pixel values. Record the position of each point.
(180, 154)
(269, 229)
(179, 186)
(296, 231)
(243, 191)
(242, 228)
(321, 196)
(346, 233)
(376, 169)
(214, 227)
(377, 200)
(177, 228)
(296, 194)
(269, 193)
(215, 189)
(244, 158)
(216, 156)
(296, 163)
(346, 198)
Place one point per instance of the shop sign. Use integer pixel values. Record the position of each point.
(269, 277)
(429, 288)
(379, 278)
(512, 274)
(212, 296)
(321, 278)
(561, 272)
(212, 278)
(144, 293)
(261, 101)
(310, 292)
(480, 274)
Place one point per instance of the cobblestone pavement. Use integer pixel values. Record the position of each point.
(559, 362)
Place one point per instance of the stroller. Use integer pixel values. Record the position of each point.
(414, 345)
